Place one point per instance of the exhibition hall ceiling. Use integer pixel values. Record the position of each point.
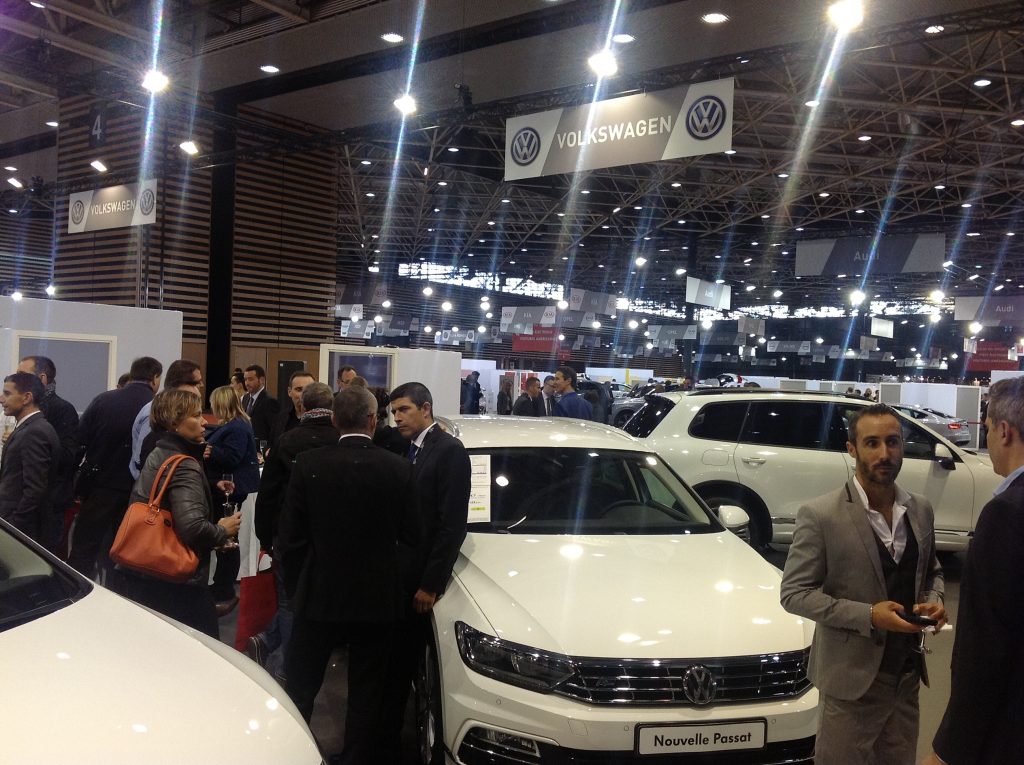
(905, 137)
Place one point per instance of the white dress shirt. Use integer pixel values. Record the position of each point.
(895, 538)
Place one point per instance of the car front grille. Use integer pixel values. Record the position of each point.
(652, 683)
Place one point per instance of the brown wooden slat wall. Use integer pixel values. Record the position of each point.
(112, 266)
(285, 244)
(25, 253)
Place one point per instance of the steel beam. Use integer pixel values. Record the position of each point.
(285, 8)
(73, 10)
(23, 83)
(63, 42)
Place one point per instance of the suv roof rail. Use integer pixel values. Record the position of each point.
(741, 391)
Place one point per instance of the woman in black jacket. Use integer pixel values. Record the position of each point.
(188, 498)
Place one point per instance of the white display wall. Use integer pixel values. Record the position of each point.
(91, 344)
(963, 401)
(617, 374)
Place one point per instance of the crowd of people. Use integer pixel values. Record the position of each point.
(364, 520)
(557, 396)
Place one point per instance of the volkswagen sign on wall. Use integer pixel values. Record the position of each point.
(133, 204)
(648, 127)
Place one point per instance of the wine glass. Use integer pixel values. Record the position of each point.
(228, 480)
(262, 449)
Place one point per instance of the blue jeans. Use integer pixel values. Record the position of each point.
(278, 633)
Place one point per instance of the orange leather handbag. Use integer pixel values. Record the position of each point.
(146, 541)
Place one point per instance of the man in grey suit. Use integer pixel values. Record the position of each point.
(862, 558)
(29, 460)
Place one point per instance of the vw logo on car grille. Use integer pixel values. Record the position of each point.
(77, 211)
(705, 118)
(699, 684)
(525, 146)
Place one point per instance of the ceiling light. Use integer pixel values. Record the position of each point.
(935, 29)
(972, 277)
(823, 194)
(595, 324)
(52, 123)
(15, 182)
(1017, 122)
(189, 147)
(935, 318)
(561, 337)
(392, 37)
(633, 324)
(428, 328)
(36, 4)
(489, 315)
(714, 18)
(269, 69)
(16, 295)
(937, 296)
(370, 194)
(680, 271)
(481, 329)
(603, 63)
(12, 211)
(730, 151)
(428, 291)
(485, 306)
(719, 281)
(846, 15)
(982, 82)
(585, 191)
(863, 138)
(386, 304)
(812, 103)
(777, 294)
(623, 38)
(766, 216)
(973, 233)
(406, 104)
(51, 290)
(562, 305)
(999, 287)
(783, 175)
(799, 228)
(1010, 233)
(640, 261)
(454, 328)
(676, 184)
(976, 327)
(442, 183)
(859, 211)
(378, 319)
(446, 306)
(939, 186)
(11, 169)
(99, 166)
(966, 204)
(707, 324)
(751, 288)
(155, 81)
(857, 297)
(373, 269)
(947, 264)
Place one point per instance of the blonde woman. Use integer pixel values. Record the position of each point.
(230, 450)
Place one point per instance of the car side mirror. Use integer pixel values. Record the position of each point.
(735, 519)
(944, 457)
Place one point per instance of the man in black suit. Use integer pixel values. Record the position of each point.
(290, 414)
(30, 458)
(261, 407)
(349, 507)
(62, 416)
(441, 470)
(531, 402)
(982, 723)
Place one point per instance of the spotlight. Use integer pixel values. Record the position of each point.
(622, 38)
(982, 82)
(378, 319)
(98, 166)
(603, 63)
(812, 103)
(596, 325)
(428, 328)
(640, 261)
(406, 104)
(777, 294)
(392, 37)
(633, 324)
(428, 291)
(937, 296)
(15, 182)
(819, 340)
(562, 305)
(680, 271)
(707, 324)
(975, 327)
(846, 15)
(269, 69)
(51, 290)
(857, 297)
(155, 81)
(16, 295)
(52, 123)
(454, 328)
(714, 18)
(485, 306)
(446, 306)
(189, 147)
(935, 29)
(561, 338)
(386, 304)
(481, 329)
(935, 318)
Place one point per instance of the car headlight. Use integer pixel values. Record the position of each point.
(512, 663)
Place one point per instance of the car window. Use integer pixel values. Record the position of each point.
(719, 421)
(793, 424)
(648, 417)
(30, 586)
(918, 442)
(588, 491)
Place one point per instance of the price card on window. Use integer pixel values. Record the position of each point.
(480, 488)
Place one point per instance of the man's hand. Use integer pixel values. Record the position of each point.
(885, 615)
(934, 611)
(423, 601)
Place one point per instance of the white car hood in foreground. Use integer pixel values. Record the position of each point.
(104, 681)
(685, 596)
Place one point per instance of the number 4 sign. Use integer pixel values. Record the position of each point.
(97, 125)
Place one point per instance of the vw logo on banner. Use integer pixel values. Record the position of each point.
(699, 684)
(147, 201)
(705, 118)
(525, 146)
(77, 211)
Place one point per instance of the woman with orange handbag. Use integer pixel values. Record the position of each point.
(188, 498)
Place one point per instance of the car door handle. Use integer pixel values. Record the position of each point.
(754, 460)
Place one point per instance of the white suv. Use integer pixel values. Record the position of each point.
(770, 451)
(598, 612)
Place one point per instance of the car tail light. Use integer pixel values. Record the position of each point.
(954, 426)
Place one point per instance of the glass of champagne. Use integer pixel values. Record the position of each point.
(228, 508)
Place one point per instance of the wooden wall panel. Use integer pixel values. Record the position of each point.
(25, 253)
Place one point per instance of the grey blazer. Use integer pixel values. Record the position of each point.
(833, 574)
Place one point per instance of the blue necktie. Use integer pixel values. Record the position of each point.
(413, 450)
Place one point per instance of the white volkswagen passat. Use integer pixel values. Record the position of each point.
(599, 612)
(91, 678)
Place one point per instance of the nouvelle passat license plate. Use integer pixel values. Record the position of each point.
(689, 738)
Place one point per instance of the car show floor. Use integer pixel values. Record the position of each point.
(329, 715)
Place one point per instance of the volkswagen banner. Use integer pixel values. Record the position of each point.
(133, 204)
(647, 127)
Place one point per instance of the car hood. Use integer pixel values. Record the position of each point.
(105, 681)
(685, 596)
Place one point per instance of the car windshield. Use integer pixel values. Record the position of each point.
(30, 586)
(582, 491)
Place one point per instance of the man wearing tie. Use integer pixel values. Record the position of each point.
(261, 407)
(548, 401)
(441, 474)
(30, 458)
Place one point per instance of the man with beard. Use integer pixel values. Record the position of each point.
(862, 559)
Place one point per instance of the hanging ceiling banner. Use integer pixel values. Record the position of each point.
(133, 204)
(520, 320)
(881, 328)
(895, 254)
(992, 311)
(591, 302)
(646, 127)
(708, 293)
(364, 292)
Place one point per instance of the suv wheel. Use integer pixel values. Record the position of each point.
(429, 729)
(760, 524)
